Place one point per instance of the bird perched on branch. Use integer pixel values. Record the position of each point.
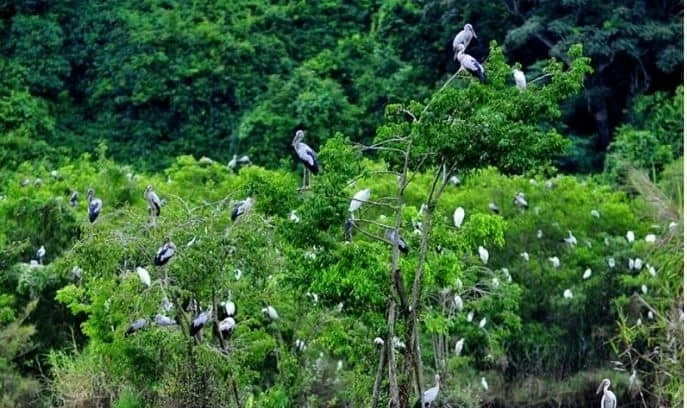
(464, 37)
(307, 156)
(470, 64)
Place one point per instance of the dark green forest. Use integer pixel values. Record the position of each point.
(541, 226)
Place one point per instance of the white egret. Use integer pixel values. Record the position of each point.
(143, 275)
(271, 312)
(470, 316)
(650, 315)
(611, 262)
(608, 399)
(470, 64)
(358, 199)
(525, 256)
(570, 239)
(454, 180)
(630, 236)
(483, 381)
(595, 213)
(587, 273)
(520, 79)
(568, 294)
(631, 264)
(482, 322)
(398, 343)
(378, 341)
(293, 217)
(458, 217)
(672, 226)
(650, 238)
(458, 303)
(483, 254)
(459, 346)
(555, 261)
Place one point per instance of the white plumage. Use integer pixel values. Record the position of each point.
(40, 254)
(458, 217)
(570, 239)
(464, 37)
(358, 199)
(611, 262)
(378, 341)
(568, 294)
(630, 236)
(540, 234)
(483, 381)
(525, 256)
(164, 321)
(650, 238)
(470, 316)
(482, 322)
(429, 396)
(144, 276)
(459, 346)
(645, 289)
(94, 206)
(227, 326)
(458, 302)
(294, 217)
(483, 254)
(608, 400)
(241, 208)
(271, 312)
(595, 213)
(520, 80)
(555, 261)
(587, 273)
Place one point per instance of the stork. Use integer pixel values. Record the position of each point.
(271, 312)
(226, 327)
(200, 321)
(307, 156)
(94, 206)
(154, 202)
(470, 64)
(165, 252)
(40, 254)
(241, 208)
(74, 198)
(164, 321)
(519, 200)
(608, 399)
(463, 38)
(397, 239)
(137, 325)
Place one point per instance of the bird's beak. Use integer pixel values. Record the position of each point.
(474, 33)
(598, 390)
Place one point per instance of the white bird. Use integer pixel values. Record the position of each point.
(650, 238)
(307, 156)
(652, 270)
(595, 213)
(568, 294)
(631, 264)
(200, 321)
(495, 282)
(458, 217)
(483, 381)
(294, 217)
(611, 262)
(54, 174)
(458, 302)
(358, 199)
(555, 261)
(470, 316)
(638, 264)
(520, 80)
(230, 308)
(165, 252)
(429, 396)
(507, 273)
(587, 273)
(630, 236)
(469, 63)
(639, 322)
(645, 289)
(238, 273)
(40, 254)
(398, 343)
(94, 205)
(164, 321)
(570, 239)
(271, 312)
(482, 322)
(154, 203)
(226, 327)
(540, 234)
(519, 200)
(378, 341)
(339, 365)
(464, 37)
(241, 208)
(483, 254)
(525, 256)
(672, 226)
(494, 208)
(650, 315)
(633, 377)
(300, 345)
(459, 346)
(608, 399)
(143, 275)
(454, 180)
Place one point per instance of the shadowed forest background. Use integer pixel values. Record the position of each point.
(117, 95)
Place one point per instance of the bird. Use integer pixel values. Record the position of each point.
(494, 208)
(200, 321)
(652, 270)
(74, 198)
(483, 381)
(243, 160)
(595, 213)
(482, 322)
(464, 37)
(38, 182)
(137, 325)
(555, 261)
(143, 275)
(396, 238)
(519, 200)
(650, 238)
(241, 208)
(483, 254)
(470, 316)
(520, 80)
(378, 341)
(229, 308)
(235, 162)
(470, 64)
(454, 180)
(40, 254)
(271, 312)
(429, 396)
(226, 327)
(638, 263)
(293, 217)
(300, 345)
(458, 217)
(630, 236)
(568, 294)
(611, 262)
(570, 239)
(94, 206)
(153, 200)
(458, 302)
(398, 343)
(307, 156)
(631, 264)
(608, 399)
(587, 273)
(164, 321)
(358, 199)
(525, 256)
(459, 346)
(165, 252)
(348, 229)
(645, 289)
(540, 234)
